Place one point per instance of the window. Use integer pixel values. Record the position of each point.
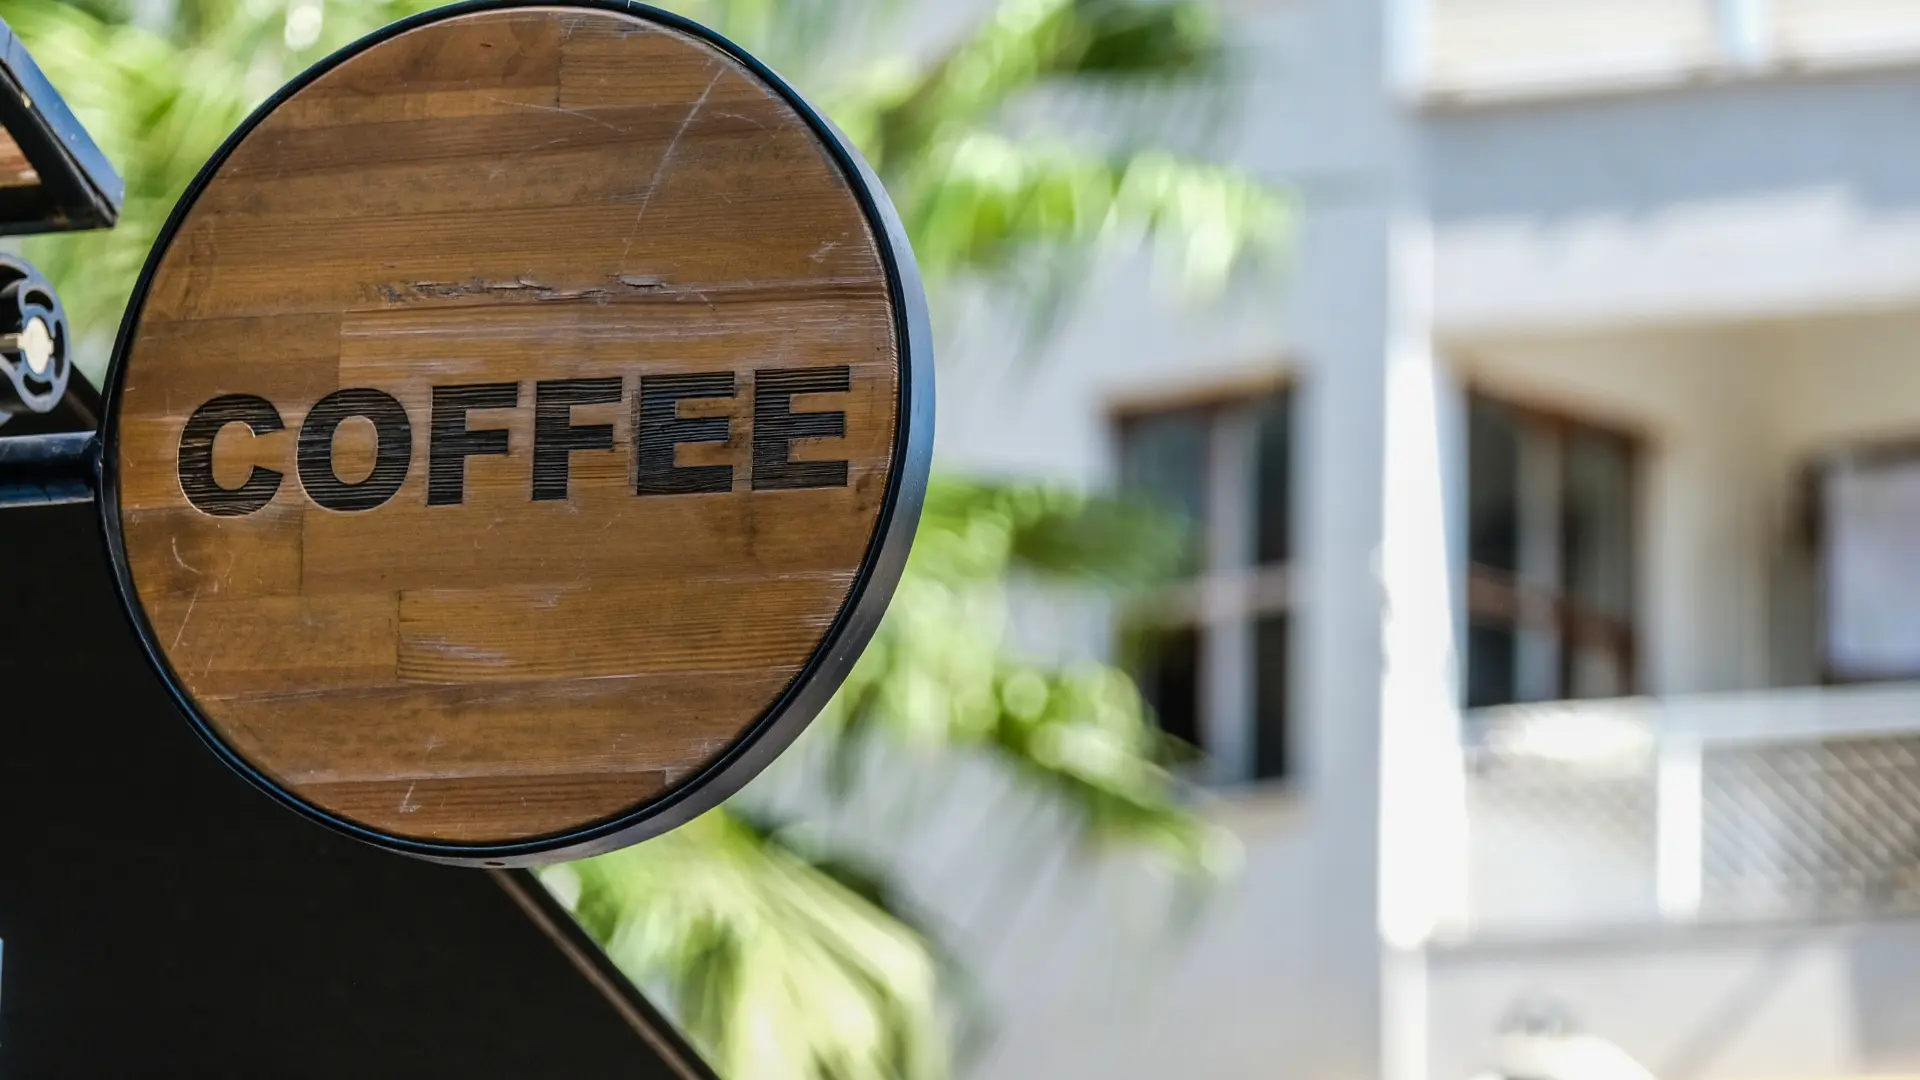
(1869, 514)
(1210, 651)
(1550, 551)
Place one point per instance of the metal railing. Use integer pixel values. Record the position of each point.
(1780, 805)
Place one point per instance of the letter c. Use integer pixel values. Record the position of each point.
(196, 456)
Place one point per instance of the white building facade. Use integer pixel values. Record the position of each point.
(1551, 629)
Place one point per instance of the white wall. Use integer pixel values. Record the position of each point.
(1753, 199)
(1845, 379)
(1731, 1004)
(1283, 976)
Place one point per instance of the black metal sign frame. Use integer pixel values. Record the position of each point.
(833, 658)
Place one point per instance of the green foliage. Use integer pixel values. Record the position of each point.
(939, 674)
(977, 199)
(787, 960)
(775, 965)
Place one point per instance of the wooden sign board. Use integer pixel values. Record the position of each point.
(518, 430)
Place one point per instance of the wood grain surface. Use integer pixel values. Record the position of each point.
(626, 248)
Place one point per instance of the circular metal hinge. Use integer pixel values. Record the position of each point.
(35, 362)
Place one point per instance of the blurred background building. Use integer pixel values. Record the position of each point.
(1559, 575)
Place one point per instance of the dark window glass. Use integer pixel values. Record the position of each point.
(1492, 656)
(1167, 666)
(1163, 459)
(1552, 557)
(1174, 460)
(1273, 517)
(1493, 486)
(1271, 750)
(1596, 531)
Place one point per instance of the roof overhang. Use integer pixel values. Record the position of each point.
(53, 178)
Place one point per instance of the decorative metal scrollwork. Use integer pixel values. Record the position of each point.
(35, 361)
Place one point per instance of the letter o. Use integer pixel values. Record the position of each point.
(392, 456)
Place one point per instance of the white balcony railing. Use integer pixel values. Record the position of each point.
(1525, 48)
(1777, 805)
(1530, 41)
(1812, 29)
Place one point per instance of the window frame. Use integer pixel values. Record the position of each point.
(1817, 530)
(1495, 598)
(1243, 593)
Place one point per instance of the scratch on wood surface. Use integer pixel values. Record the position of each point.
(407, 805)
(182, 632)
(666, 159)
(457, 651)
(184, 565)
(478, 287)
(647, 285)
(703, 751)
(581, 113)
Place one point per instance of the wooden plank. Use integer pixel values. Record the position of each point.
(15, 170)
(191, 553)
(694, 624)
(227, 644)
(472, 808)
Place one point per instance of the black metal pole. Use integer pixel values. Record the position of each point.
(48, 470)
(668, 1044)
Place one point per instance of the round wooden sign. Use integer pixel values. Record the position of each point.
(518, 430)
